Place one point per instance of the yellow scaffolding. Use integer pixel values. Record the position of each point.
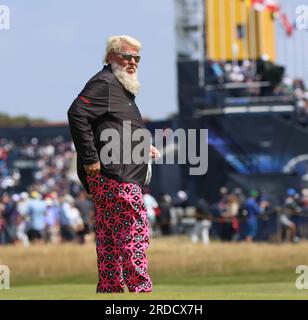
(235, 31)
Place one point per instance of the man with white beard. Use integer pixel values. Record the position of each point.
(122, 228)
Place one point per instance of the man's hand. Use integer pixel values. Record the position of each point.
(154, 153)
(92, 169)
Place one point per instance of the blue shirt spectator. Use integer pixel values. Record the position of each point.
(36, 211)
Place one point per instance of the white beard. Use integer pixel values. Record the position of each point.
(129, 81)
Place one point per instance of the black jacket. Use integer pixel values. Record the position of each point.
(102, 104)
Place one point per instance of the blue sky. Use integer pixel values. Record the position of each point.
(53, 47)
(292, 51)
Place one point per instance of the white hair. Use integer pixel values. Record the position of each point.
(115, 43)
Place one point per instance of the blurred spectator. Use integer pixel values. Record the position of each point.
(263, 224)
(151, 206)
(305, 199)
(10, 216)
(181, 199)
(203, 222)
(71, 224)
(228, 218)
(253, 211)
(36, 212)
(52, 223)
(164, 218)
(22, 203)
(2, 224)
(86, 209)
(291, 209)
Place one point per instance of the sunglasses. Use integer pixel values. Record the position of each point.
(129, 56)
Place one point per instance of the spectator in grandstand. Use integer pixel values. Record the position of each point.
(203, 222)
(284, 88)
(106, 101)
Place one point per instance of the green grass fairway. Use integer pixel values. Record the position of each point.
(178, 268)
(268, 291)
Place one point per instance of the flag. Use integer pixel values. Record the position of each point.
(272, 5)
(284, 20)
(258, 5)
(261, 5)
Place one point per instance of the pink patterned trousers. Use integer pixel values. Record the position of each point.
(122, 235)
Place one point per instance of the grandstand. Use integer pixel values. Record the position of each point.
(229, 82)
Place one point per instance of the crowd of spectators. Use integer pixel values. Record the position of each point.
(255, 83)
(54, 208)
(235, 217)
(49, 218)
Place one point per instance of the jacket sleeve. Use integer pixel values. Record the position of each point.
(91, 104)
